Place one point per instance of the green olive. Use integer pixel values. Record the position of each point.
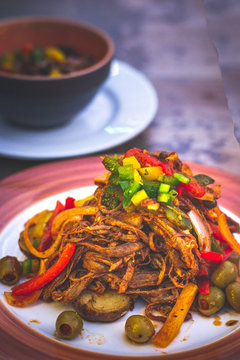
(68, 324)
(139, 328)
(233, 295)
(224, 274)
(10, 270)
(211, 303)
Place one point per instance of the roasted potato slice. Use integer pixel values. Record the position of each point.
(107, 307)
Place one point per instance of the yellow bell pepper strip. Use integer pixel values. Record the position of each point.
(172, 325)
(58, 221)
(226, 233)
(70, 213)
(36, 283)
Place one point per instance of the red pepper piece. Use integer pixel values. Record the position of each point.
(133, 152)
(203, 285)
(193, 188)
(228, 252)
(203, 271)
(216, 232)
(46, 240)
(146, 159)
(69, 203)
(212, 256)
(180, 190)
(36, 283)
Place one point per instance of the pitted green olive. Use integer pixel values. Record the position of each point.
(224, 274)
(233, 295)
(139, 328)
(211, 303)
(68, 324)
(10, 270)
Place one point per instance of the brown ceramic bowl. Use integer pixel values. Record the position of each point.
(41, 101)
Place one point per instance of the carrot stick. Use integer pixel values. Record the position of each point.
(174, 321)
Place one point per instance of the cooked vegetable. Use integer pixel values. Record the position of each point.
(210, 204)
(69, 324)
(226, 233)
(233, 295)
(211, 303)
(38, 282)
(10, 270)
(172, 325)
(203, 179)
(139, 328)
(106, 307)
(224, 274)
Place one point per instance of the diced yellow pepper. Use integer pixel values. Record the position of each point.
(139, 196)
(154, 206)
(137, 177)
(133, 161)
(151, 172)
(55, 54)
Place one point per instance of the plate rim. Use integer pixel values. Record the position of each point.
(36, 193)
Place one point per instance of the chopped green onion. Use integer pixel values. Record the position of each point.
(173, 194)
(164, 188)
(168, 180)
(184, 179)
(126, 172)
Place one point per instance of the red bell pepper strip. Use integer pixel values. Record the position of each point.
(203, 285)
(146, 159)
(228, 252)
(29, 286)
(46, 240)
(69, 203)
(203, 271)
(212, 256)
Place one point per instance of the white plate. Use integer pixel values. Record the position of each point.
(105, 338)
(123, 108)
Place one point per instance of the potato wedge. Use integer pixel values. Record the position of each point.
(107, 307)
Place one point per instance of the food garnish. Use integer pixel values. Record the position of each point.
(151, 230)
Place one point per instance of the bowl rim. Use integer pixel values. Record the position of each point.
(55, 19)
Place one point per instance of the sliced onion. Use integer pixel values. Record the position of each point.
(201, 228)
